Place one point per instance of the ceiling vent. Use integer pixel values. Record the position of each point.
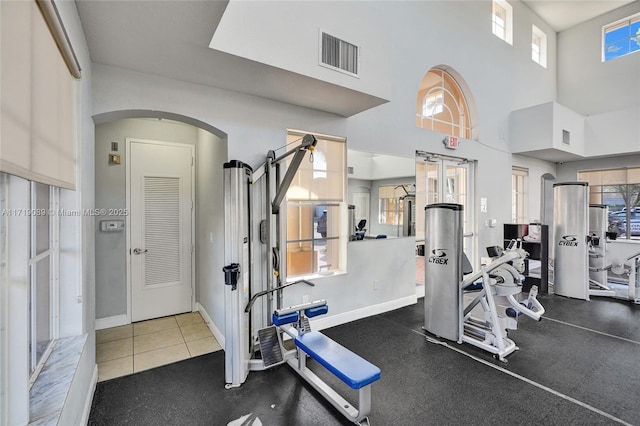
(338, 54)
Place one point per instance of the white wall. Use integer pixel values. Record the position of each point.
(501, 78)
(212, 154)
(608, 93)
(286, 35)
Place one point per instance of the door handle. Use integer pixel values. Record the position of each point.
(139, 251)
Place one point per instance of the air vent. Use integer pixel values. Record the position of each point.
(566, 137)
(339, 54)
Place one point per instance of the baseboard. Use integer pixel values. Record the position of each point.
(420, 291)
(219, 335)
(114, 321)
(367, 311)
(87, 404)
(332, 321)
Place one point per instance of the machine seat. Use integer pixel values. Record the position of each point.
(352, 369)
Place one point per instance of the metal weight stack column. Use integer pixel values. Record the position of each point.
(237, 270)
(443, 270)
(598, 222)
(570, 249)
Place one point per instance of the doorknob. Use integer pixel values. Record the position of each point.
(139, 251)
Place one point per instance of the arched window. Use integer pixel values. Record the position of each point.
(441, 105)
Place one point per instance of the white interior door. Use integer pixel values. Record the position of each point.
(160, 228)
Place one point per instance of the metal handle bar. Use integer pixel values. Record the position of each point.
(262, 293)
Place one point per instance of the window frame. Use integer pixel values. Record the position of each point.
(52, 254)
(621, 23)
(519, 194)
(338, 204)
(507, 28)
(458, 121)
(597, 190)
(436, 98)
(542, 46)
(398, 211)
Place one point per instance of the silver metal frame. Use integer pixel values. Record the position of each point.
(296, 359)
(445, 313)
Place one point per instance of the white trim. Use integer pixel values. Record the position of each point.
(420, 291)
(114, 321)
(367, 311)
(127, 228)
(89, 399)
(219, 335)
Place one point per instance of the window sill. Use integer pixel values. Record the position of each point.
(49, 391)
(315, 276)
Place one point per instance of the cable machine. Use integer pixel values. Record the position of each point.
(447, 315)
(582, 259)
(256, 321)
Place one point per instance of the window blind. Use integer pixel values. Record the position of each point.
(37, 134)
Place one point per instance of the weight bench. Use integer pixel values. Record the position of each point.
(349, 367)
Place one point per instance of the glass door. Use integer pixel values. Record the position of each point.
(442, 179)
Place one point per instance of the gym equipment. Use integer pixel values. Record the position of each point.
(585, 263)
(608, 275)
(255, 320)
(570, 253)
(353, 370)
(446, 314)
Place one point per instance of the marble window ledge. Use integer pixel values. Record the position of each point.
(48, 393)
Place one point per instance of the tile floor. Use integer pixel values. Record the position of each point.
(147, 344)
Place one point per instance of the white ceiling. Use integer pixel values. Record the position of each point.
(564, 14)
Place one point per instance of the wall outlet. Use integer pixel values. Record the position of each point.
(305, 298)
(376, 284)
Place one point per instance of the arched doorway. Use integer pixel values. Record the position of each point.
(115, 131)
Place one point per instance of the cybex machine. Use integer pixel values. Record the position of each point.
(256, 322)
(584, 264)
(446, 313)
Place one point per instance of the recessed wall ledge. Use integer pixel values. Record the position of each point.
(49, 392)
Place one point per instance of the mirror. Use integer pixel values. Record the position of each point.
(382, 190)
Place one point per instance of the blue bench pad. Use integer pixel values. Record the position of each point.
(285, 319)
(352, 369)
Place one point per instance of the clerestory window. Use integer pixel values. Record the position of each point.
(502, 20)
(538, 46)
(621, 38)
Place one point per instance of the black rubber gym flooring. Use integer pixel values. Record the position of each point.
(579, 366)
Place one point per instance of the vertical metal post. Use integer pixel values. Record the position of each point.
(443, 270)
(598, 221)
(570, 225)
(237, 256)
